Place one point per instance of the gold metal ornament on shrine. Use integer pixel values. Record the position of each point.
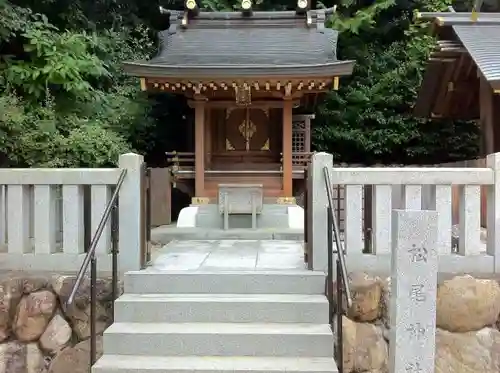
(243, 94)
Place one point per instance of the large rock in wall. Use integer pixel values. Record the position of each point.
(468, 322)
(39, 334)
(462, 297)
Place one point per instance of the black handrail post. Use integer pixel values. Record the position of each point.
(340, 311)
(147, 182)
(329, 277)
(93, 316)
(114, 257)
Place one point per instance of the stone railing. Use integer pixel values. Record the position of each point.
(43, 214)
(410, 188)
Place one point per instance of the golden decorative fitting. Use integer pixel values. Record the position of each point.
(199, 201)
(229, 146)
(474, 14)
(336, 83)
(286, 201)
(265, 146)
(243, 94)
(247, 129)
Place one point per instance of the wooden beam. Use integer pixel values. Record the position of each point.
(199, 143)
(287, 149)
(224, 104)
(277, 87)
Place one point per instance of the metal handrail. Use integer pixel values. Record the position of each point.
(340, 250)
(342, 282)
(95, 239)
(90, 259)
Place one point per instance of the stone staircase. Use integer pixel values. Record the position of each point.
(230, 321)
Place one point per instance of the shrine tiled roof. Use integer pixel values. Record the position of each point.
(280, 43)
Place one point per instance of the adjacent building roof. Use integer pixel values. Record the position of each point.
(233, 44)
(467, 47)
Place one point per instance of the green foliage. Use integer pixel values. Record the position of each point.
(45, 139)
(60, 61)
(66, 102)
(353, 19)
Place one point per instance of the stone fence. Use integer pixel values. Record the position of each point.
(43, 215)
(408, 188)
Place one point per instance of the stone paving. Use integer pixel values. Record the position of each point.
(228, 255)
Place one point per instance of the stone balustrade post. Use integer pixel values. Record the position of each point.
(319, 203)
(493, 212)
(131, 213)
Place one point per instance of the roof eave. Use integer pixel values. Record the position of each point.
(147, 70)
(459, 18)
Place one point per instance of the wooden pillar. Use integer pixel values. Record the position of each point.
(489, 103)
(287, 149)
(307, 134)
(199, 143)
(208, 138)
(486, 111)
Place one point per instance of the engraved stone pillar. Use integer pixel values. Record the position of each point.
(413, 291)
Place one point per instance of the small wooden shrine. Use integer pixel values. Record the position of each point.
(245, 74)
(462, 77)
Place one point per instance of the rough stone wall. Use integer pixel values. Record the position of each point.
(39, 334)
(467, 318)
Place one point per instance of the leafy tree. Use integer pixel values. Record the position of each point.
(370, 120)
(66, 101)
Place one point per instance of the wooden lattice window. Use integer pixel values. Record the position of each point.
(299, 136)
(301, 139)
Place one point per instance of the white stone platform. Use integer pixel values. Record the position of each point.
(230, 255)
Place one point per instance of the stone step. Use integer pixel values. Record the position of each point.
(165, 234)
(219, 339)
(212, 364)
(153, 281)
(237, 308)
